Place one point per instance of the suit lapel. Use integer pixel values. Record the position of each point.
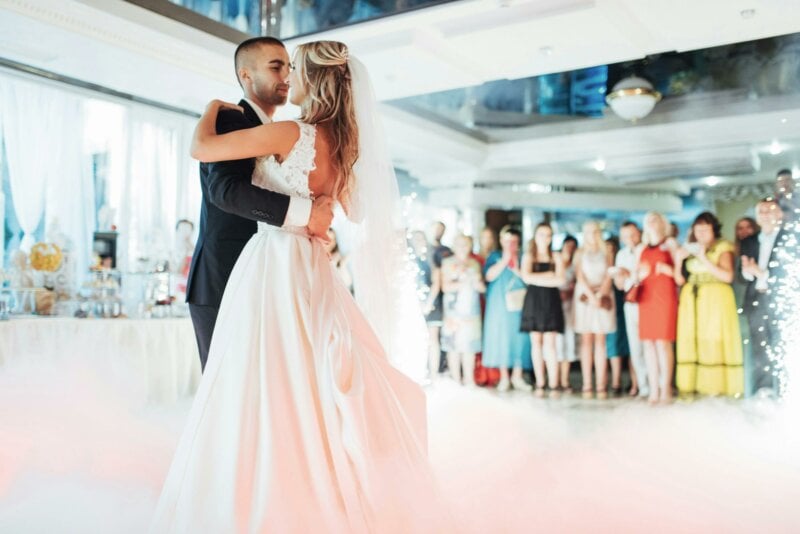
(249, 112)
(775, 245)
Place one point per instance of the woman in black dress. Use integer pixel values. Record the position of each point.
(542, 314)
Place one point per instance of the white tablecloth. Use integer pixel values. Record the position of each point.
(155, 359)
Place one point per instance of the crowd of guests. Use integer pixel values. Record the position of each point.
(670, 309)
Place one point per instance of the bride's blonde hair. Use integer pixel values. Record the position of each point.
(323, 68)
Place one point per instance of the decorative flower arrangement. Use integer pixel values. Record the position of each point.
(46, 257)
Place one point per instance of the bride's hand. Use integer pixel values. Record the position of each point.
(219, 105)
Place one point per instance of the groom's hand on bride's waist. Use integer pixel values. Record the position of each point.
(321, 217)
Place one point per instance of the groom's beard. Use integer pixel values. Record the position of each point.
(279, 96)
(278, 99)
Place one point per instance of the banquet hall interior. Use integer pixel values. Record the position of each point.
(592, 120)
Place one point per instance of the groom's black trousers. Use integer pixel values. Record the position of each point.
(203, 318)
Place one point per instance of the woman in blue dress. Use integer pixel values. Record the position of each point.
(504, 346)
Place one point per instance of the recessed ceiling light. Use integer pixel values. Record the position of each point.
(775, 148)
(599, 164)
(748, 13)
(784, 120)
(539, 188)
(711, 181)
(546, 50)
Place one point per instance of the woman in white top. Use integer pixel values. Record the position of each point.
(594, 307)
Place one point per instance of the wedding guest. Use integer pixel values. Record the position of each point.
(617, 342)
(504, 346)
(674, 231)
(429, 290)
(658, 305)
(762, 267)
(625, 280)
(487, 242)
(182, 255)
(709, 346)
(339, 260)
(565, 344)
(462, 283)
(745, 227)
(594, 308)
(784, 195)
(542, 314)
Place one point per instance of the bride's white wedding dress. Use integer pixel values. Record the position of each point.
(300, 423)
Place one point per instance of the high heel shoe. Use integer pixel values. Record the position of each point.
(520, 384)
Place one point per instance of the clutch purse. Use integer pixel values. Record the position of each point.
(515, 298)
(605, 301)
(632, 295)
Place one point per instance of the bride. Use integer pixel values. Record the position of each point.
(300, 423)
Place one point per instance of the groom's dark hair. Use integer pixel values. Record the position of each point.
(251, 44)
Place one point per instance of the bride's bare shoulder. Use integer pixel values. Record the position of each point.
(288, 128)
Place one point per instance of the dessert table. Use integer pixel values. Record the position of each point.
(155, 359)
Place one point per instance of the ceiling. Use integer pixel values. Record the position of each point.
(126, 48)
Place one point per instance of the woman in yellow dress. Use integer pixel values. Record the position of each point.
(709, 345)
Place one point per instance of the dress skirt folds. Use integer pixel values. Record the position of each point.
(709, 345)
(300, 423)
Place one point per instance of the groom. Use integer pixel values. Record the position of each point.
(231, 204)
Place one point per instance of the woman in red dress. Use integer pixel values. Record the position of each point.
(658, 305)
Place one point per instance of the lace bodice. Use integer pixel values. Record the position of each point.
(289, 177)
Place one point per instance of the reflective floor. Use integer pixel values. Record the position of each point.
(77, 456)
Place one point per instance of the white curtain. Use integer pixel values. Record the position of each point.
(69, 195)
(32, 130)
(188, 186)
(151, 181)
(160, 187)
(48, 170)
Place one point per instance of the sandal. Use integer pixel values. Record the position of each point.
(602, 394)
(539, 392)
(587, 393)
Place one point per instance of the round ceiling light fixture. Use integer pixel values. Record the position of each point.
(633, 98)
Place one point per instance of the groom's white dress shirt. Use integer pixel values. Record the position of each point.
(766, 242)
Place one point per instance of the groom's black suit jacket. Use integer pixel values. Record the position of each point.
(230, 208)
(751, 247)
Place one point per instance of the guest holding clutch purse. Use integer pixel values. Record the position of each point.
(504, 346)
(595, 314)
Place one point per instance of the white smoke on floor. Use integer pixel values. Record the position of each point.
(80, 454)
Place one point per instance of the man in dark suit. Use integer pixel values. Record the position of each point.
(231, 205)
(784, 194)
(763, 270)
